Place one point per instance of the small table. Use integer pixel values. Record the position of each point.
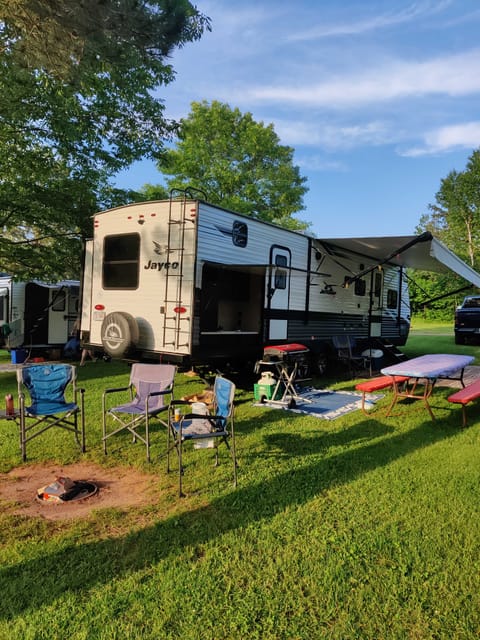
(287, 377)
(428, 369)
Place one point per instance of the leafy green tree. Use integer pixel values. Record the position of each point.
(428, 294)
(455, 219)
(151, 192)
(75, 112)
(69, 37)
(237, 163)
(455, 216)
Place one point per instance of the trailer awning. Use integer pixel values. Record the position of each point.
(57, 285)
(417, 252)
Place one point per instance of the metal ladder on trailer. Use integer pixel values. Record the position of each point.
(178, 314)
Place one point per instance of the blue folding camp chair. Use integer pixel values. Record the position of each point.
(151, 391)
(211, 429)
(47, 385)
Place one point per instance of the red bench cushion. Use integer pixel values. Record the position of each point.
(469, 393)
(379, 383)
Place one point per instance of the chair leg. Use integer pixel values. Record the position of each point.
(104, 425)
(147, 437)
(82, 421)
(23, 443)
(168, 450)
(180, 470)
(234, 459)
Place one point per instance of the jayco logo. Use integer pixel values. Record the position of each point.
(161, 265)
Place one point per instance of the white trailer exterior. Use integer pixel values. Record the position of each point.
(186, 281)
(37, 315)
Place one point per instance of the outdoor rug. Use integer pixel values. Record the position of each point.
(326, 403)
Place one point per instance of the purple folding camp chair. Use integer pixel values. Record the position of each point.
(151, 391)
(47, 385)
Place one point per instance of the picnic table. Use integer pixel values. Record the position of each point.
(423, 373)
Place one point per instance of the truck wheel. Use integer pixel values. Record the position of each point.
(119, 334)
(459, 339)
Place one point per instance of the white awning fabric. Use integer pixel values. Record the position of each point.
(417, 252)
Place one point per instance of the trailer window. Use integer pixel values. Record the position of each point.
(121, 254)
(281, 274)
(58, 303)
(360, 287)
(392, 299)
(239, 234)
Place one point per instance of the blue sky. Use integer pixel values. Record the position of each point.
(379, 99)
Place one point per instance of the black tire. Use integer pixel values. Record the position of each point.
(459, 339)
(119, 334)
(321, 364)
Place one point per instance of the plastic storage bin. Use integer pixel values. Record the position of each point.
(18, 356)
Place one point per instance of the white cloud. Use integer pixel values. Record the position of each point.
(320, 164)
(455, 75)
(413, 12)
(331, 136)
(448, 138)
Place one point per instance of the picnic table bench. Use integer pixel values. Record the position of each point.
(464, 396)
(375, 384)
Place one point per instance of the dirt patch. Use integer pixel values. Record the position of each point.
(117, 487)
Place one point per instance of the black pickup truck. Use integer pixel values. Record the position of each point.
(467, 320)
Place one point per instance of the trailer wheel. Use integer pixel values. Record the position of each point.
(320, 364)
(119, 334)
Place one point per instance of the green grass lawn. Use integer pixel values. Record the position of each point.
(363, 527)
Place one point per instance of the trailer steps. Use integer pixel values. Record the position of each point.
(390, 351)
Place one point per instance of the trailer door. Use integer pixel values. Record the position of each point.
(278, 292)
(4, 315)
(57, 311)
(376, 306)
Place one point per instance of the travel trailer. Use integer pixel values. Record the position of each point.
(35, 315)
(184, 281)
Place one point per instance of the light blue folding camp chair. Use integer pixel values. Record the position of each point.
(211, 429)
(47, 385)
(151, 391)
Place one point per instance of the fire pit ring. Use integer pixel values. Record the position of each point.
(78, 490)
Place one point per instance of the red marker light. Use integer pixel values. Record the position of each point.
(180, 310)
(99, 307)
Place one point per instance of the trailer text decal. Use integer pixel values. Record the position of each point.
(161, 265)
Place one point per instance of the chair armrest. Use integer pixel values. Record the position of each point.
(76, 391)
(159, 393)
(116, 390)
(179, 402)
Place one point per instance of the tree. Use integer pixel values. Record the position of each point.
(75, 113)
(68, 37)
(455, 219)
(455, 216)
(151, 192)
(237, 163)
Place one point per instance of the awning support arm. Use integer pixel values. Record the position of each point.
(424, 237)
(424, 303)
